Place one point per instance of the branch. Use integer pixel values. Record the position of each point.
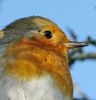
(79, 54)
(82, 57)
(75, 51)
(91, 41)
(85, 56)
(72, 33)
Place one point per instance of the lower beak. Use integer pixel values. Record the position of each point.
(72, 44)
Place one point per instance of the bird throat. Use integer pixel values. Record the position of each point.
(26, 62)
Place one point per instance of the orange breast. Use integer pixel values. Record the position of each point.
(26, 61)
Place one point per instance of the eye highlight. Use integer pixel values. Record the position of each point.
(47, 34)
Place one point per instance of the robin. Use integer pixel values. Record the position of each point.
(34, 64)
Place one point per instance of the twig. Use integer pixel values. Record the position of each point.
(72, 33)
(82, 56)
(91, 41)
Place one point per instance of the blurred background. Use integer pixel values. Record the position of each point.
(77, 18)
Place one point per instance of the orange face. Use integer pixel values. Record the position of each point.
(48, 37)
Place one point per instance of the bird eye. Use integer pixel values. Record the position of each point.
(47, 34)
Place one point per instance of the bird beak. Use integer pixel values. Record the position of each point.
(71, 44)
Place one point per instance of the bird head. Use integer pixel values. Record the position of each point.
(41, 30)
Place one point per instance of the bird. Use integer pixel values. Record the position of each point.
(34, 62)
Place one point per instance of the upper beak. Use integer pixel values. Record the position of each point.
(72, 44)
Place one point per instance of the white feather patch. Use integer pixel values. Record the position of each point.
(37, 89)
